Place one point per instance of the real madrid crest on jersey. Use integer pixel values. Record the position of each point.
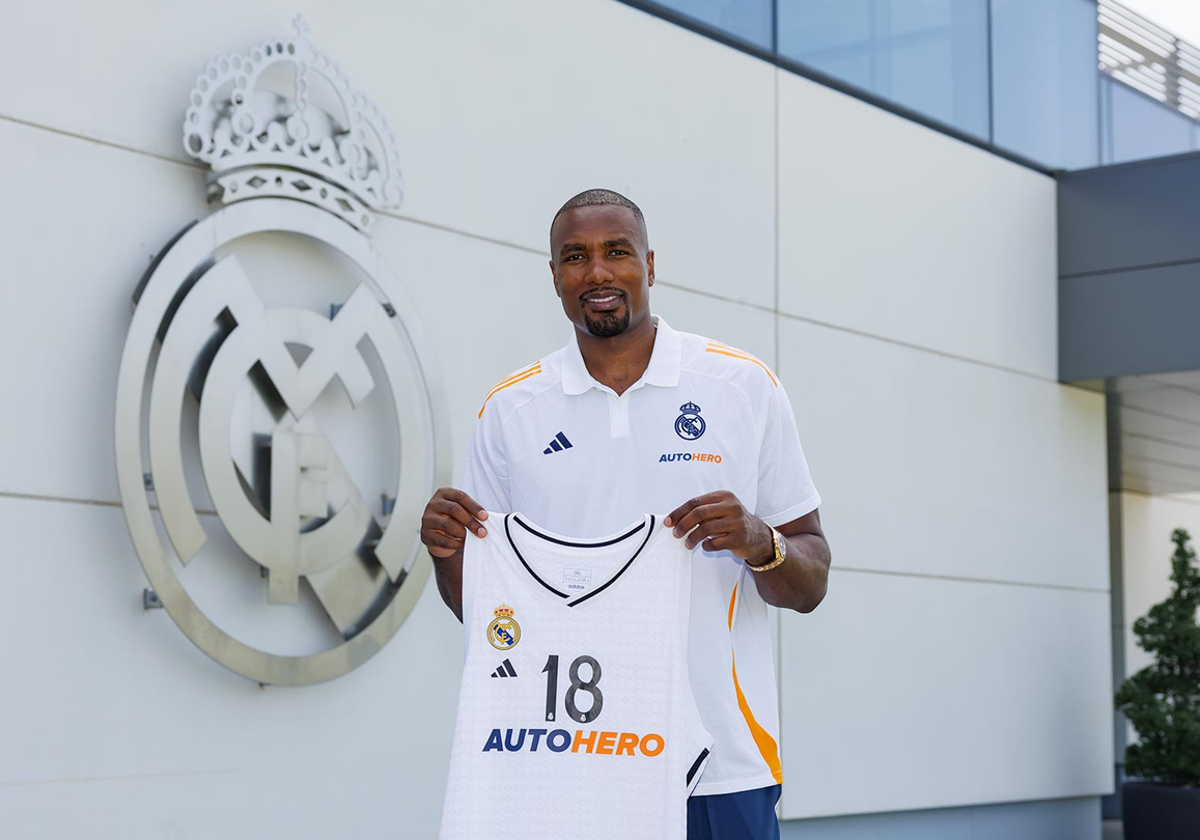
(689, 425)
(504, 632)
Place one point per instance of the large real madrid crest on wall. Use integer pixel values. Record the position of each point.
(279, 424)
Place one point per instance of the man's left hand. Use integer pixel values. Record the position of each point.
(723, 524)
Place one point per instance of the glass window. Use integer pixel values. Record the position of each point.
(1045, 94)
(928, 55)
(1139, 127)
(749, 20)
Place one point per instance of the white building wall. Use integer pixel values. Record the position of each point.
(901, 283)
(962, 655)
(1146, 549)
(892, 229)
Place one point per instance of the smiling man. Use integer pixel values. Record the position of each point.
(632, 417)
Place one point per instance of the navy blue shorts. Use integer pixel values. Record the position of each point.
(745, 815)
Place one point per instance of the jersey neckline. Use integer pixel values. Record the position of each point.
(578, 547)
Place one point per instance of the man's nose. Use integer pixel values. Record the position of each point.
(598, 273)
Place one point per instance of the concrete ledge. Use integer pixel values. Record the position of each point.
(1057, 819)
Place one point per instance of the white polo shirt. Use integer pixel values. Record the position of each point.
(564, 450)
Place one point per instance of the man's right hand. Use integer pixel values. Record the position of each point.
(446, 519)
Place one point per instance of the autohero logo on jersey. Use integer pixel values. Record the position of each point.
(591, 742)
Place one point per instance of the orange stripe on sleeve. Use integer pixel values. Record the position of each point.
(516, 377)
(767, 747)
(745, 357)
(509, 382)
(507, 379)
(533, 368)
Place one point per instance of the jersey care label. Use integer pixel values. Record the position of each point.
(577, 580)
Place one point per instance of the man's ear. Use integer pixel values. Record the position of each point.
(554, 276)
(650, 266)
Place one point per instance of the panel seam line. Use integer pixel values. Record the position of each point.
(964, 579)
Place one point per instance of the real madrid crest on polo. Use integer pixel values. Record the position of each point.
(579, 721)
(689, 425)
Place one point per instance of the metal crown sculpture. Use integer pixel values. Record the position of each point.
(261, 141)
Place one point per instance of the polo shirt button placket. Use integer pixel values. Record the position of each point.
(618, 414)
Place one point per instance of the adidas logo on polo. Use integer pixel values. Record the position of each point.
(559, 443)
(505, 670)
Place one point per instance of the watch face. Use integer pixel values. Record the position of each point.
(780, 545)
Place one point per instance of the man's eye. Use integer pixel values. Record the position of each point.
(572, 256)
(618, 251)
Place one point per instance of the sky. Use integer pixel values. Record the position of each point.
(1180, 17)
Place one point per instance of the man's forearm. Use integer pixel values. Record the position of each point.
(801, 581)
(448, 571)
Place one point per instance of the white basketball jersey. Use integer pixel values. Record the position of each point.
(575, 717)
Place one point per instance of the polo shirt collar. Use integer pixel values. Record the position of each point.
(665, 361)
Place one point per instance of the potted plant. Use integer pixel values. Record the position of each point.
(1162, 701)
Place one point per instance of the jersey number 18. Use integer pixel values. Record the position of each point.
(589, 685)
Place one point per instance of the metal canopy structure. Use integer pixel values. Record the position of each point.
(1129, 313)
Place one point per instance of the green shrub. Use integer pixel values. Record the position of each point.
(1162, 700)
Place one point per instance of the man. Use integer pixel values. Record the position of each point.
(632, 417)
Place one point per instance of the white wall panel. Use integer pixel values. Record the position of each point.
(903, 693)
(1146, 525)
(81, 223)
(501, 110)
(890, 228)
(114, 725)
(931, 465)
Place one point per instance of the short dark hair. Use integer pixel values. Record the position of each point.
(599, 197)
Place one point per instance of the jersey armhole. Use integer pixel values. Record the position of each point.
(696, 770)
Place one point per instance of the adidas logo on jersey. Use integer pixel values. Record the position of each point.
(558, 444)
(505, 670)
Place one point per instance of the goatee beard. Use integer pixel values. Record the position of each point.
(607, 324)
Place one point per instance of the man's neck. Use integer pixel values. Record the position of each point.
(618, 361)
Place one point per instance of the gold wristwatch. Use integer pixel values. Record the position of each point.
(780, 553)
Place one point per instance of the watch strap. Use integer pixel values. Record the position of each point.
(780, 556)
